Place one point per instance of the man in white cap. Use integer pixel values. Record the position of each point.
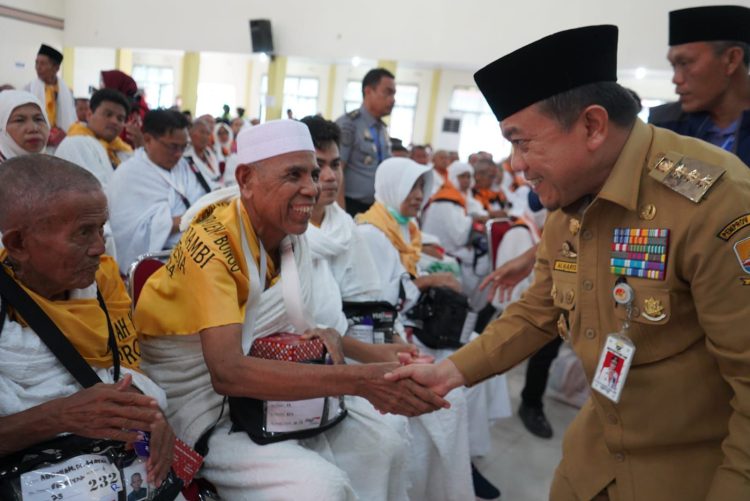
(200, 313)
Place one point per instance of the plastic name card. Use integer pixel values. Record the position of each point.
(294, 416)
(88, 477)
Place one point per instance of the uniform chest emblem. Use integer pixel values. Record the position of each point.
(653, 309)
(567, 251)
(640, 252)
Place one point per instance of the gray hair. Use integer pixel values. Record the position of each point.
(722, 45)
(567, 106)
(29, 184)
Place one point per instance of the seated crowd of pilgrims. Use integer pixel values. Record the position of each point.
(222, 197)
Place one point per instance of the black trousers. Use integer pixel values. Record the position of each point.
(354, 207)
(537, 373)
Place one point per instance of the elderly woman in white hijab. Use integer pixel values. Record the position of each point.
(395, 240)
(223, 139)
(24, 127)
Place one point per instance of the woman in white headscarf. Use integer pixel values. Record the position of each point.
(24, 127)
(389, 227)
(392, 233)
(223, 139)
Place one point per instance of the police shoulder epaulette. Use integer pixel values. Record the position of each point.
(687, 176)
(353, 114)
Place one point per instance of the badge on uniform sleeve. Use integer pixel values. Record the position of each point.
(640, 252)
(687, 176)
(614, 364)
(742, 251)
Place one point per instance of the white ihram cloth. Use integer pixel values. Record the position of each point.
(66, 108)
(486, 401)
(209, 170)
(89, 153)
(438, 459)
(517, 240)
(451, 224)
(30, 374)
(143, 199)
(360, 458)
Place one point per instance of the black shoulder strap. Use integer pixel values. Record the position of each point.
(201, 180)
(49, 332)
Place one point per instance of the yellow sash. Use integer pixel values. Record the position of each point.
(50, 98)
(112, 147)
(205, 283)
(83, 322)
(378, 216)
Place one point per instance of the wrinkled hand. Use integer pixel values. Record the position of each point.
(332, 341)
(109, 411)
(403, 397)
(440, 378)
(56, 135)
(507, 276)
(161, 447)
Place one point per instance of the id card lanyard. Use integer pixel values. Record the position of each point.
(619, 350)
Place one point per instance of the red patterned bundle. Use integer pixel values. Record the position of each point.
(289, 347)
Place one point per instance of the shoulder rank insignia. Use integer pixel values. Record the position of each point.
(353, 114)
(687, 176)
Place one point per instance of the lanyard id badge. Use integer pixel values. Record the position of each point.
(617, 355)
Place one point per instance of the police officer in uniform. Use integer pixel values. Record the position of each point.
(645, 256)
(364, 140)
(710, 54)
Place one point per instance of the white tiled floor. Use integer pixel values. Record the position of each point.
(520, 464)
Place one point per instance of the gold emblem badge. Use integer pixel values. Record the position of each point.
(664, 164)
(574, 226)
(567, 251)
(570, 296)
(653, 309)
(648, 212)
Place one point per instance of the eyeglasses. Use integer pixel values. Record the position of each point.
(173, 147)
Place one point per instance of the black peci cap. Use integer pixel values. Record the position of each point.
(709, 24)
(549, 66)
(53, 54)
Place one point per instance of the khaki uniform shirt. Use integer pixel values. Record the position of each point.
(681, 430)
(360, 135)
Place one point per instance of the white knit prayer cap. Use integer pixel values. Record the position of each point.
(272, 139)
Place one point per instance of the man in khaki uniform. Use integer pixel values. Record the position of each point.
(681, 428)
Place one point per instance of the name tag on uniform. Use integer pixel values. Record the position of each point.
(614, 364)
(295, 415)
(88, 477)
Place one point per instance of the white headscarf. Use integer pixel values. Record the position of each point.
(218, 144)
(456, 169)
(9, 101)
(395, 178)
